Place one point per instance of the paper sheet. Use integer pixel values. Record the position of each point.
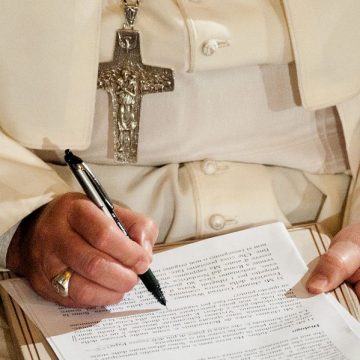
(228, 298)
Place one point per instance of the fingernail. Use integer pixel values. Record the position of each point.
(318, 284)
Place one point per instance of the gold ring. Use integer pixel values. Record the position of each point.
(61, 282)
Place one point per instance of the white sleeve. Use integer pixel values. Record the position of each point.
(26, 183)
(5, 242)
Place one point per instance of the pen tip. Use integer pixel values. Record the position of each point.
(162, 301)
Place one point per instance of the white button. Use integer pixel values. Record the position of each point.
(209, 167)
(210, 47)
(217, 222)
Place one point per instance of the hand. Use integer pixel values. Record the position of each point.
(341, 262)
(71, 232)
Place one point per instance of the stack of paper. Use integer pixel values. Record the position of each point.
(237, 296)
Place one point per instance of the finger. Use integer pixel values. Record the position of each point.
(96, 266)
(339, 263)
(82, 292)
(103, 234)
(42, 285)
(140, 228)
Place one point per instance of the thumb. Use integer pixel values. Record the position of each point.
(339, 263)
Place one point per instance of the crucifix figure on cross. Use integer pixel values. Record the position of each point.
(127, 79)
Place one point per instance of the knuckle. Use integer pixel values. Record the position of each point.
(76, 206)
(141, 257)
(84, 295)
(129, 283)
(153, 229)
(114, 299)
(334, 260)
(103, 236)
(72, 201)
(92, 265)
(43, 232)
(73, 196)
(148, 224)
(141, 262)
(144, 228)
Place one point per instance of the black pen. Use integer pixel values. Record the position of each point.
(98, 196)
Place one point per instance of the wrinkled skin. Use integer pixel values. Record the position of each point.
(71, 232)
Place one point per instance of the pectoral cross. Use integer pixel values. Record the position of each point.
(127, 79)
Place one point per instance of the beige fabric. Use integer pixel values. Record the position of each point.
(49, 57)
(223, 111)
(258, 34)
(47, 98)
(205, 198)
(38, 105)
(64, 81)
(26, 183)
(325, 37)
(350, 113)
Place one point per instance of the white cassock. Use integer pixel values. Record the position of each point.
(263, 124)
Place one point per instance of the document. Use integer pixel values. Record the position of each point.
(236, 296)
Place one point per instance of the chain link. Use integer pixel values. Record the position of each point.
(133, 3)
(131, 9)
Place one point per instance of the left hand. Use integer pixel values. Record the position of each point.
(340, 263)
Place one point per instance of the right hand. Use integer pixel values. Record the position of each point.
(71, 232)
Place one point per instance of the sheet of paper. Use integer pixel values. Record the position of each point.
(229, 297)
(350, 320)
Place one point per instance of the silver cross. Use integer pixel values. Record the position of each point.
(127, 79)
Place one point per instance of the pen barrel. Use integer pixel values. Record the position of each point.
(149, 280)
(98, 196)
(91, 192)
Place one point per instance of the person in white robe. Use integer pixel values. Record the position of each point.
(263, 125)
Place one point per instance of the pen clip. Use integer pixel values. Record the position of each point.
(105, 197)
(77, 164)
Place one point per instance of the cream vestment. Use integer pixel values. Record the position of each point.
(47, 102)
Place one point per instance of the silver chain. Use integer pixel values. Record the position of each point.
(131, 9)
(134, 3)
